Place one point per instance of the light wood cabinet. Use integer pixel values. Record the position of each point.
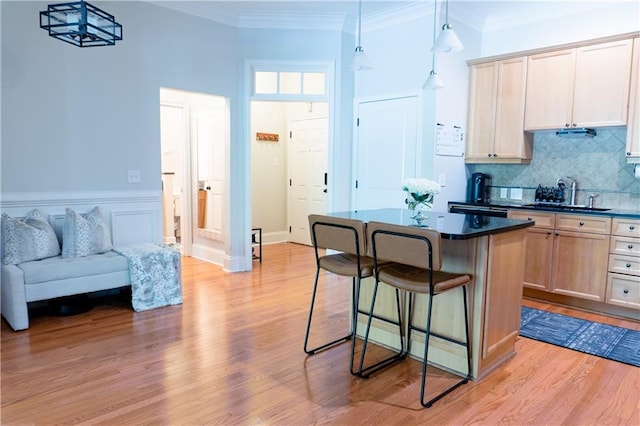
(623, 284)
(632, 151)
(566, 253)
(496, 113)
(538, 248)
(579, 87)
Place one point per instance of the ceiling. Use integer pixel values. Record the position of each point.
(483, 15)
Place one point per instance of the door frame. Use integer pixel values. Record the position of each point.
(251, 66)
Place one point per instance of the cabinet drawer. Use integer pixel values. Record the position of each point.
(623, 290)
(625, 246)
(625, 227)
(542, 220)
(624, 264)
(583, 223)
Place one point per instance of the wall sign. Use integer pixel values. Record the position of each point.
(267, 137)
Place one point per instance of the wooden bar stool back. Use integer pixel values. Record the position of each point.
(413, 263)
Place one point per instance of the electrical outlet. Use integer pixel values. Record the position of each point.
(504, 193)
(516, 193)
(133, 176)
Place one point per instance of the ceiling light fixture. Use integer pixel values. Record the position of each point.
(433, 81)
(360, 62)
(80, 24)
(448, 41)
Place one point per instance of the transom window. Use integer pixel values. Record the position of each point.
(289, 83)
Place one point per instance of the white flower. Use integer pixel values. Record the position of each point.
(420, 186)
(420, 191)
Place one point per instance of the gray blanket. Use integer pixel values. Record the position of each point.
(155, 275)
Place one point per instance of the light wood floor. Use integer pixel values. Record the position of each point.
(232, 354)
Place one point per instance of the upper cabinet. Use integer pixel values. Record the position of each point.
(585, 86)
(632, 151)
(496, 113)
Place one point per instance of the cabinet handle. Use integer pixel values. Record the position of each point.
(489, 155)
(574, 125)
(557, 234)
(529, 218)
(631, 228)
(628, 265)
(628, 154)
(566, 124)
(495, 155)
(548, 232)
(630, 246)
(625, 291)
(581, 224)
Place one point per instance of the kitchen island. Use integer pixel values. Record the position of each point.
(491, 250)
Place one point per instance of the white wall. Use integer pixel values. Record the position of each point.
(401, 58)
(81, 117)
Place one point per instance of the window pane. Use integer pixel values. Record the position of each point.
(290, 83)
(313, 83)
(266, 82)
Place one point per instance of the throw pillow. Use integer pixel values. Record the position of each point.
(29, 238)
(85, 234)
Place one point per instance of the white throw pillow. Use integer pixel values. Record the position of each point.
(29, 238)
(85, 234)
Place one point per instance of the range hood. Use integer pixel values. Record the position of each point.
(576, 133)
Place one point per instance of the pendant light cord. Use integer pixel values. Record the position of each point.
(359, 22)
(433, 55)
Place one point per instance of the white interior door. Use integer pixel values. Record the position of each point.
(307, 175)
(386, 151)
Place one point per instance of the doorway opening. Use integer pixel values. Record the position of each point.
(194, 147)
(290, 115)
(288, 175)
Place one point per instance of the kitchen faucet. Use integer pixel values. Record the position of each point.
(562, 184)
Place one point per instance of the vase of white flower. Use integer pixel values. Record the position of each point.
(420, 192)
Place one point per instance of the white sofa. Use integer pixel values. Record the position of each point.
(57, 277)
(41, 263)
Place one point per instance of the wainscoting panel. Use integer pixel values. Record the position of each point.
(134, 216)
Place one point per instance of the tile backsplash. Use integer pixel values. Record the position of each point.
(597, 164)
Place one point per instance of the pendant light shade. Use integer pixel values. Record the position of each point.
(360, 62)
(448, 41)
(433, 82)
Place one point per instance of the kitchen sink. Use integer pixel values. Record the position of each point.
(567, 207)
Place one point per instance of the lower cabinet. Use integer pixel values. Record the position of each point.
(567, 254)
(623, 285)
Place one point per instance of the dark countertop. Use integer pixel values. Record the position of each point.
(634, 214)
(452, 226)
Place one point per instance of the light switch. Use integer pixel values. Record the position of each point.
(133, 176)
(442, 180)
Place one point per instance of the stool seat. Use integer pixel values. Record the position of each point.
(347, 265)
(417, 280)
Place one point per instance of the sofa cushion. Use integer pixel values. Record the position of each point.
(85, 234)
(59, 268)
(29, 238)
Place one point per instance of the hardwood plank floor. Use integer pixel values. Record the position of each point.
(232, 354)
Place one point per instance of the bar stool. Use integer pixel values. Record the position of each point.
(414, 259)
(348, 237)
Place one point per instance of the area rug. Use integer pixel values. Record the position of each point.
(606, 341)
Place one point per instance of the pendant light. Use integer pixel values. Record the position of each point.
(360, 62)
(433, 81)
(448, 41)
